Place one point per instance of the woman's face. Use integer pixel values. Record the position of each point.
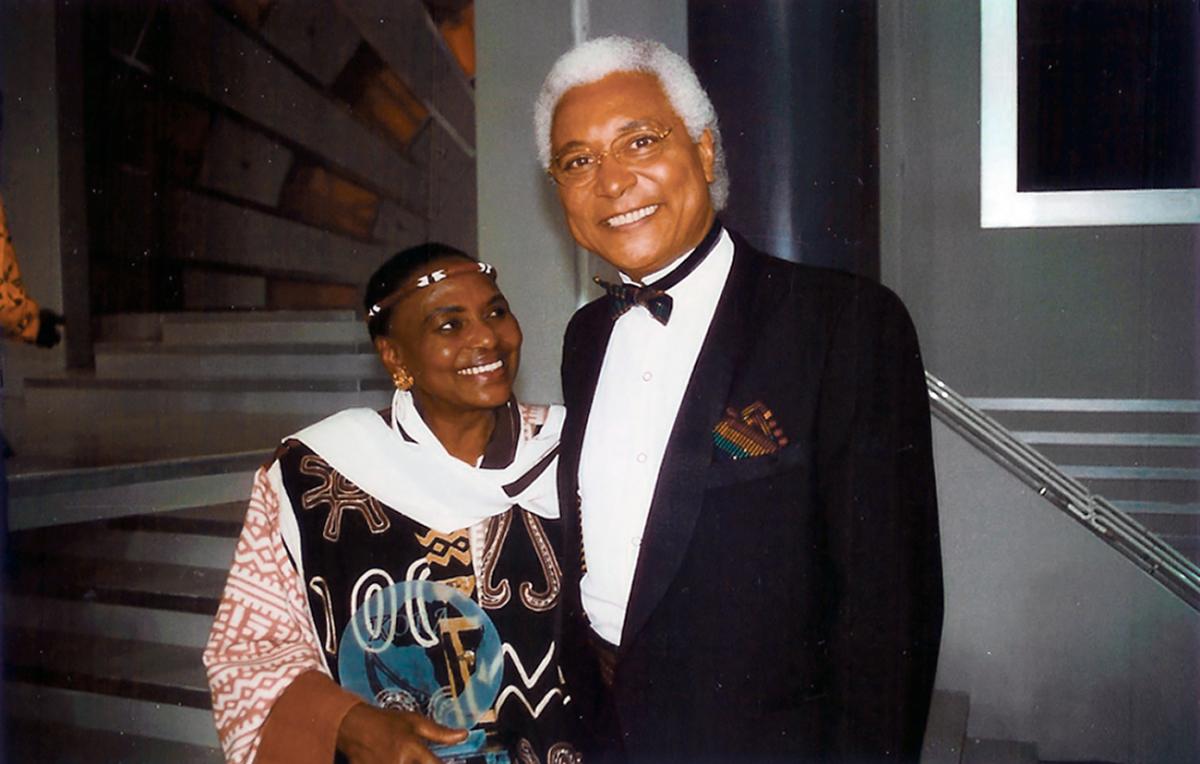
(458, 340)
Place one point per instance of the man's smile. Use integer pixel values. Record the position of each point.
(631, 217)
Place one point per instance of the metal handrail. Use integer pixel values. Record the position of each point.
(1154, 556)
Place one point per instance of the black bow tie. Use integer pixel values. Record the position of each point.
(625, 296)
(654, 297)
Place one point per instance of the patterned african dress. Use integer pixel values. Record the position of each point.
(335, 598)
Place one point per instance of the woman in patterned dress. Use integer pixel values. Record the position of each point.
(395, 582)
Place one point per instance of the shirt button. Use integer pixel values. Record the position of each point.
(647, 377)
(641, 458)
(636, 541)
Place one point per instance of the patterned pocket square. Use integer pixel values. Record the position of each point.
(749, 433)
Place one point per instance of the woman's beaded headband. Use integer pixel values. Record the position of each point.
(429, 279)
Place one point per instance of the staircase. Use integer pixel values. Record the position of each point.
(105, 623)
(311, 362)
(107, 620)
(119, 567)
(1142, 455)
(125, 501)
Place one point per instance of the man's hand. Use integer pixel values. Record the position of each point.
(370, 735)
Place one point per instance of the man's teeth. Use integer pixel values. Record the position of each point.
(631, 217)
(482, 369)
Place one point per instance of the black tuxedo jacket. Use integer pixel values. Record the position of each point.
(787, 606)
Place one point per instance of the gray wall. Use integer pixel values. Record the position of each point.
(521, 230)
(1056, 637)
(29, 169)
(1076, 312)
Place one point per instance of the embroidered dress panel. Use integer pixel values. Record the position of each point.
(641, 384)
(403, 615)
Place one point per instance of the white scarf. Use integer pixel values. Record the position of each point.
(422, 480)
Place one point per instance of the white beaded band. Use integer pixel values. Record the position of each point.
(429, 279)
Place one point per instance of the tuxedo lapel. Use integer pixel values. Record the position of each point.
(586, 354)
(680, 488)
(583, 357)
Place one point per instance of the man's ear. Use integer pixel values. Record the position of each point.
(708, 154)
(389, 353)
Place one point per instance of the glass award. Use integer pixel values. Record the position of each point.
(428, 648)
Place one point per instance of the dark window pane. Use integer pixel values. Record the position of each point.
(1107, 94)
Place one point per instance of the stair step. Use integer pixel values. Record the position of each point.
(318, 397)
(223, 520)
(946, 732)
(985, 751)
(215, 331)
(153, 578)
(166, 674)
(204, 537)
(124, 475)
(74, 496)
(148, 326)
(246, 385)
(171, 627)
(151, 546)
(40, 741)
(118, 714)
(1169, 524)
(162, 586)
(1159, 491)
(164, 361)
(1123, 457)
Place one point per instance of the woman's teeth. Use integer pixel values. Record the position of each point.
(632, 216)
(481, 369)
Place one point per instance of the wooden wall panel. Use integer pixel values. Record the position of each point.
(403, 35)
(452, 193)
(276, 152)
(395, 223)
(215, 290)
(407, 40)
(253, 82)
(377, 95)
(244, 163)
(287, 294)
(253, 240)
(314, 35)
(455, 20)
(316, 196)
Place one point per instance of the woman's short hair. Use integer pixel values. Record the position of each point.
(398, 269)
(596, 59)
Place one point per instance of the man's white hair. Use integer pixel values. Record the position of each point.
(596, 59)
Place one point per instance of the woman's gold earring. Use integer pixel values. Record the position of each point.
(402, 378)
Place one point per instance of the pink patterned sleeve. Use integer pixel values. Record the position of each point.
(262, 638)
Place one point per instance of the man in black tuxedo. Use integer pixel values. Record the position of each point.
(751, 569)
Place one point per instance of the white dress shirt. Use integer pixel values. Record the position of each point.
(645, 372)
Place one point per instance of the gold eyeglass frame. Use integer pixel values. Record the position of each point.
(611, 151)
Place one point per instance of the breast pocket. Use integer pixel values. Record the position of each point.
(727, 472)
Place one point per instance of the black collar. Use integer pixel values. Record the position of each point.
(692, 261)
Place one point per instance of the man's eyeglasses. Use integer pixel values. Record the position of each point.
(578, 166)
